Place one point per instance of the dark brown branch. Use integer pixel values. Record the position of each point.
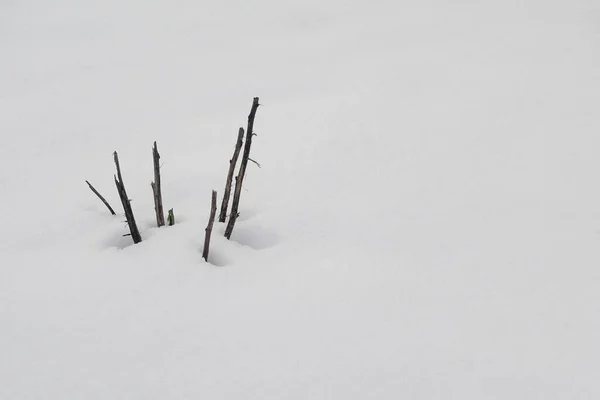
(135, 233)
(156, 189)
(232, 163)
(239, 180)
(116, 157)
(211, 222)
(101, 198)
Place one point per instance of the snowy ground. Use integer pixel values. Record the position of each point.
(425, 224)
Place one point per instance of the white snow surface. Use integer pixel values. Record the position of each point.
(425, 224)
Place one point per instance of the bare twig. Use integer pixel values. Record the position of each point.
(211, 221)
(257, 164)
(101, 198)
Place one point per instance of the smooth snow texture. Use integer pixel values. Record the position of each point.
(425, 224)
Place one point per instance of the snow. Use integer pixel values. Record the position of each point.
(425, 224)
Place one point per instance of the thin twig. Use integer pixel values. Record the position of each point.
(257, 164)
(101, 198)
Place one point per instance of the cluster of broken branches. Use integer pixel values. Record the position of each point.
(126, 201)
(157, 190)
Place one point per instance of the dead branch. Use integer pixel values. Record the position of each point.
(135, 233)
(232, 163)
(101, 198)
(242, 172)
(156, 189)
(211, 221)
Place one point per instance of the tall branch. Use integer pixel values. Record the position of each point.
(239, 180)
(101, 198)
(232, 163)
(211, 222)
(156, 189)
(135, 233)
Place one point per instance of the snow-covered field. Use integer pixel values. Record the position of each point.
(425, 224)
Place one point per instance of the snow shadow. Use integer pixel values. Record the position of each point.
(217, 258)
(115, 238)
(255, 237)
(117, 241)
